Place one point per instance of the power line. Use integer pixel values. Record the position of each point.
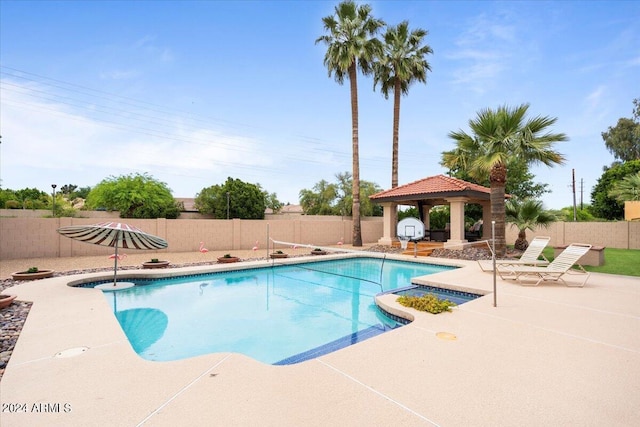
(187, 119)
(156, 121)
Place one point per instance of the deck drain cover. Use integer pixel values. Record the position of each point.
(446, 336)
(72, 352)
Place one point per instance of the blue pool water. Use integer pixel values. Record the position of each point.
(277, 315)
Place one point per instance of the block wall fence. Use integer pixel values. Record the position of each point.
(25, 237)
(37, 237)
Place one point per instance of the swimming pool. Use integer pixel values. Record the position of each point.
(277, 315)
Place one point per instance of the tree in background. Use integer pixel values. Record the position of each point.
(68, 189)
(566, 214)
(602, 204)
(319, 200)
(70, 198)
(628, 189)
(526, 215)
(134, 196)
(5, 196)
(368, 208)
(80, 193)
(498, 137)
(71, 191)
(27, 198)
(271, 200)
(344, 197)
(367, 188)
(401, 63)
(411, 212)
(32, 198)
(233, 199)
(623, 140)
(351, 44)
(335, 198)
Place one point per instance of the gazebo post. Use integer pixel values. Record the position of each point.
(388, 223)
(426, 210)
(486, 220)
(456, 219)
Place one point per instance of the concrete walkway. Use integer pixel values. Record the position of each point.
(545, 356)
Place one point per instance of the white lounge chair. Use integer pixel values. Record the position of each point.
(529, 256)
(560, 266)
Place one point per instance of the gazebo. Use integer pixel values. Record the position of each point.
(435, 191)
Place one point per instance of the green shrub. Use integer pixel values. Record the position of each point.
(32, 270)
(12, 204)
(66, 211)
(428, 302)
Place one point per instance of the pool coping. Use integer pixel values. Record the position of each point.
(216, 386)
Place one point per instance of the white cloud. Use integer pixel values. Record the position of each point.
(483, 52)
(83, 146)
(594, 99)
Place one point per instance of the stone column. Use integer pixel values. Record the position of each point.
(456, 221)
(389, 224)
(426, 209)
(486, 220)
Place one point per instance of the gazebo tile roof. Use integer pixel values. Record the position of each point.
(438, 184)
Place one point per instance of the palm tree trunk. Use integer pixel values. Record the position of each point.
(498, 215)
(396, 130)
(497, 179)
(397, 91)
(355, 210)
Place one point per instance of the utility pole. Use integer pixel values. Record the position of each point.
(581, 192)
(573, 184)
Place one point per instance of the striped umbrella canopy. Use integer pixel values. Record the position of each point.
(115, 235)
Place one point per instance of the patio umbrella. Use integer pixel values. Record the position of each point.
(116, 235)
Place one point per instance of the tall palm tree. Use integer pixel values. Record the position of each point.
(497, 137)
(526, 215)
(351, 44)
(401, 64)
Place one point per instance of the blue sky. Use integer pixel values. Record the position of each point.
(194, 92)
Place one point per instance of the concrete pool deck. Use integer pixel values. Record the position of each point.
(546, 355)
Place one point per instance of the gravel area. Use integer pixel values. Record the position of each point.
(14, 316)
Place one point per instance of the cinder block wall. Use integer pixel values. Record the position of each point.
(37, 237)
(622, 234)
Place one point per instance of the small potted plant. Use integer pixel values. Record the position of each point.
(318, 251)
(227, 258)
(155, 263)
(32, 273)
(278, 254)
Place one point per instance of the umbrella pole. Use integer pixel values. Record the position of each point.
(115, 262)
